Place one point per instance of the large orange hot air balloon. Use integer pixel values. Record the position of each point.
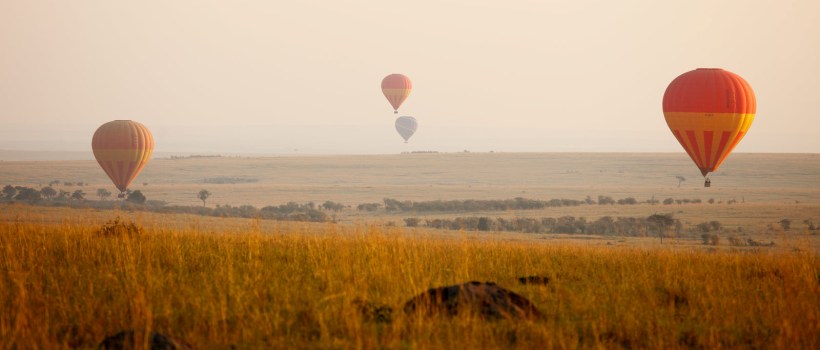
(123, 148)
(396, 87)
(709, 110)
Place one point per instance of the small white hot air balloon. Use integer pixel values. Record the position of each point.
(406, 126)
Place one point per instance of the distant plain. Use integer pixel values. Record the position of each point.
(751, 192)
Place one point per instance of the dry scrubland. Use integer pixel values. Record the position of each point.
(248, 285)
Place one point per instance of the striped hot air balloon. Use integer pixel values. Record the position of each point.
(123, 148)
(396, 88)
(406, 126)
(709, 110)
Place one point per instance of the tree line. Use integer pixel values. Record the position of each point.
(136, 200)
(517, 203)
(621, 226)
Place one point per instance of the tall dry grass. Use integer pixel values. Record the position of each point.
(63, 285)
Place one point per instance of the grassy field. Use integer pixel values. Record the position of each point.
(222, 283)
(248, 283)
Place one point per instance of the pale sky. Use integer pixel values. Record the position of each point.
(279, 76)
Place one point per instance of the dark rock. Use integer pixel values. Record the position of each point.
(542, 280)
(125, 340)
(487, 300)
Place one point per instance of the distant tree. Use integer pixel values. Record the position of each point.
(54, 182)
(9, 191)
(412, 222)
(329, 205)
(78, 195)
(63, 195)
(203, 196)
(103, 193)
(628, 200)
(369, 206)
(603, 200)
(680, 179)
(48, 192)
(661, 222)
(27, 194)
(786, 224)
(136, 197)
(485, 223)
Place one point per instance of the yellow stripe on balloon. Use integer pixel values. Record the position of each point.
(122, 154)
(708, 137)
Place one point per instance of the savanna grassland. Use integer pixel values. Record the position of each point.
(222, 283)
(219, 282)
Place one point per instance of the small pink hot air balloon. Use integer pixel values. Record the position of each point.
(396, 88)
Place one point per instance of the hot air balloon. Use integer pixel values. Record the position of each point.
(396, 87)
(406, 126)
(123, 148)
(709, 110)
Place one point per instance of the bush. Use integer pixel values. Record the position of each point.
(117, 227)
(710, 238)
(329, 205)
(369, 206)
(136, 197)
(411, 222)
(736, 242)
(603, 200)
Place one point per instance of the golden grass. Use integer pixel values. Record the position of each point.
(63, 285)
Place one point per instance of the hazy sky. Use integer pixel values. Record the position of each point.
(279, 76)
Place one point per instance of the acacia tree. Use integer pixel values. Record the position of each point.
(103, 193)
(26, 194)
(9, 191)
(203, 196)
(78, 195)
(661, 222)
(136, 197)
(680, 179)
(48, 192)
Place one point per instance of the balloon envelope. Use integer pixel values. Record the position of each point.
(709, 110)
(396, 88)
(122, 148)
(406, 126)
